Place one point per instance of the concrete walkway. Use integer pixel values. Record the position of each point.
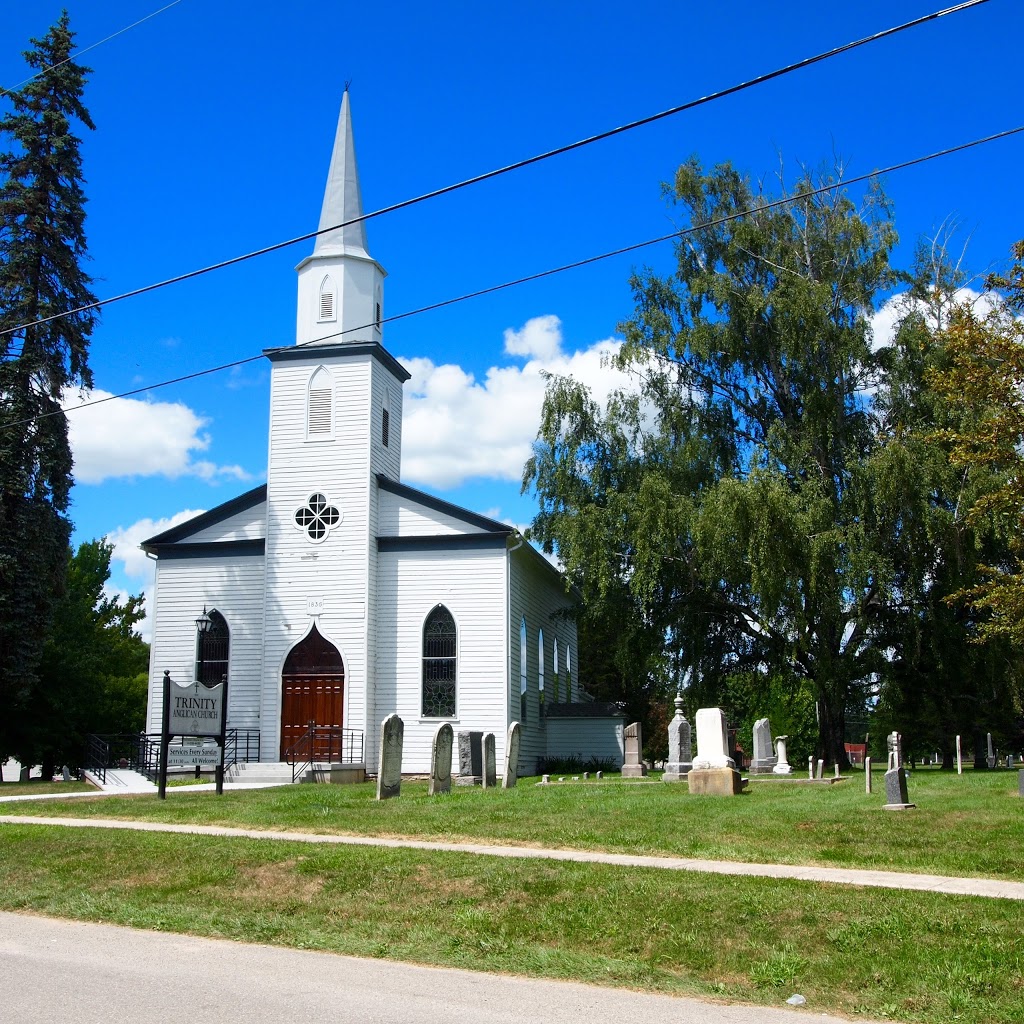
(843, 876)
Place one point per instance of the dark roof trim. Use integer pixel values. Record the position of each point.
(213, 549)
(440, 505)
(216, 515)
(598, 709)
(443, 542)
(350, 348)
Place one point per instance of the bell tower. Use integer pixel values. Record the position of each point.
(341, 286)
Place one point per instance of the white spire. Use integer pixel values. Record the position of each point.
(342, 200)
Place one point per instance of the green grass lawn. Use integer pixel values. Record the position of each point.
(38, 786)
(970, 825)
(907, 956)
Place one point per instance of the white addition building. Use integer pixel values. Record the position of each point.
(338, 594)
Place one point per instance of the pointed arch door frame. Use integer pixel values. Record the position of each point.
(312, 687)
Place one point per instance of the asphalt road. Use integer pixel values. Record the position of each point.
(78, 973)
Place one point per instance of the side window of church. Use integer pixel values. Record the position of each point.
(554, 671)
(212, 650)
(439, 664)
(319, 421)
(522, 671)
(540, 670)
(385, 418)
(326, 307)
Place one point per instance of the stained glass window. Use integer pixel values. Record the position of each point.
(439, 664)
(317, 517)
(212, 650)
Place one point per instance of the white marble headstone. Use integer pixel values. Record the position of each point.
(712, 740)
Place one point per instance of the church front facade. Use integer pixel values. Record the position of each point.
(338, 594)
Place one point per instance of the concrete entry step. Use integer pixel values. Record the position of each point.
(264, 773)
(122, 780)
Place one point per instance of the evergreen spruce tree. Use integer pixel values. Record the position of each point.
(42, 249)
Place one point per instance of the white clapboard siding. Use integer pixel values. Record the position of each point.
(403, 516)
(471, 585)
(585, 738)
(250, 524)
(335, 569)
(231, 584)
(538, 592)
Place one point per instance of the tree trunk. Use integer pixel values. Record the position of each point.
(832, 733)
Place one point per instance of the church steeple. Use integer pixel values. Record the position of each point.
(342, 199)
(340, 284)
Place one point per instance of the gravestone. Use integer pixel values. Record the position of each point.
(896, 798)
(508, 780)
(441, 761)
(389, 766)
(764, 760)
(680, 746)
(714, 771)
(782, 765)
(810, 767)
(820, 773)
(1020, 782)
(66, 773)
(24, 776)
(490, 779)
(471, 759)
(867, 774)
(959, 758)
(1009, 761)
(634, 767)
(991, 759)
(599, 776)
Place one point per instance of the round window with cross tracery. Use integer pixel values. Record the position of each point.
(317, 517)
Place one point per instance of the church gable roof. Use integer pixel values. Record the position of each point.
(190, 531)
(456, 519)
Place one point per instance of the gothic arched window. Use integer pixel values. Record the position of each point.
(554, 671)
(326, 309)
(522, 671)
(212, 650)
(540, 670)
(440, 659)
(320, 404)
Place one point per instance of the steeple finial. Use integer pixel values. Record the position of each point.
(342, 199)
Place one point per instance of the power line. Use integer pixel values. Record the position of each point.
(773, 204)
(486, 176)
(91, 46)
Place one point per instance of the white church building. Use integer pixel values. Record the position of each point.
(338, 594)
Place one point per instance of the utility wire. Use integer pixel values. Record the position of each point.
(91, 46)
(689, 105)
(774, 204)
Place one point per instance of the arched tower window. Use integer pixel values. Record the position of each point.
(554, 671)
(540, 670)
(385, 417)
(326, 310)
(378, 308)
(522, 671)
(320, 404)
(440, 658)
(212, 650)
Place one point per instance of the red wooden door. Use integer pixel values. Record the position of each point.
(312, 690)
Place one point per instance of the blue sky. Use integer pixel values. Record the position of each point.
(215, 122)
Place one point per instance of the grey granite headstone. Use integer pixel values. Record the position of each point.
(66, 773)
(896, 798)
(389, 766)
(634, 767)
(508, 780)
(490, 779)
(782, 766)
(680, 746)
(441, 761)
(471, 759)
(764, 760)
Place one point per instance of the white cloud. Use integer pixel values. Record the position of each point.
(897, 307)
(132, 437)
(137, 566)
(457, 427)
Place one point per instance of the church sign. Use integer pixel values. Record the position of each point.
(194, 713)
(196, 710)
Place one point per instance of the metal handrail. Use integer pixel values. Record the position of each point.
(141, 752)
(324, 743)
